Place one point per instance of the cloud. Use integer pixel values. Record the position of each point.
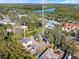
(62, 1)
(71, 1)
(34, 1)
(13, 1)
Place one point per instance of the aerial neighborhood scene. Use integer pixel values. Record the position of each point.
(39, 29)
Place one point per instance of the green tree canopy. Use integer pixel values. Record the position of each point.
(12, 48)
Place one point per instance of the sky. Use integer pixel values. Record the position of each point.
(40, 1)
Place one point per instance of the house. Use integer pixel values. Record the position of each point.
(22, 27)
(27, 42)
(35, 47)
(51, 24)
(70, 27)
(22, 15)
(51, 54)
(6, 20)
(68, 55)
(12, 10)
(40, 47)
(17, 29)
(76, 54)
(9, 30)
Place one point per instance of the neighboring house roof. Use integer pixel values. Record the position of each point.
(40, 46)
(6, 20)
(71, 25)
(76, 55)
(51, 23)
(23, 27)
(51, 54)
(9, 30)
(21, 15)
(26, 40)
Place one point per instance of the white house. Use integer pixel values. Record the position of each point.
(27, 42)
(22, 27)
(6, 20)
(51, 24)
(21, 15)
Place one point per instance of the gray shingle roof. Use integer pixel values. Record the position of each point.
(26, 40)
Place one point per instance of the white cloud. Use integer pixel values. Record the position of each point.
(64, 1)
(19, 1)
(71, 1)
(13, 1)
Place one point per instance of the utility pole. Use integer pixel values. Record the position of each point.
(43, 16)
(24, 30)
(42, 11)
